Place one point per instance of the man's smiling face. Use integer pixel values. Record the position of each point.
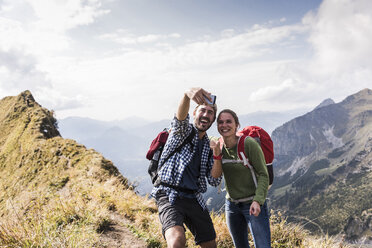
(204, 116)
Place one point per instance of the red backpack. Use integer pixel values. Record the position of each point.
(156, 149)
(264, 139)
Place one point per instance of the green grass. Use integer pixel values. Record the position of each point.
(281, 191)
(327, 171)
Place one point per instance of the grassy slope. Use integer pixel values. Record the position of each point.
(56, 193)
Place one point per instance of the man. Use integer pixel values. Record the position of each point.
(183, 175)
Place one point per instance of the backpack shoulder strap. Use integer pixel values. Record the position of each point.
(243, 156)
(186, 141)
(241, 148)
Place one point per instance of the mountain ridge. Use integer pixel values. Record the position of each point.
(325, 102)
(324, 159)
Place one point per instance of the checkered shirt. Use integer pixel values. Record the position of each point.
(171, 172)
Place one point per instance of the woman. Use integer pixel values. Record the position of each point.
(245, 203)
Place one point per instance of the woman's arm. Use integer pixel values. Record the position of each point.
(217, 158)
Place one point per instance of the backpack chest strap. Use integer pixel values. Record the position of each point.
(226, 161)
(242, 199)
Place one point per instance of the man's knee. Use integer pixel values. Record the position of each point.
(175, 237)
(209, 244)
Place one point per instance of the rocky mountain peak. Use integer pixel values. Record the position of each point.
(23, 112)
(27, 97)
(365, 92)
(364, 95)
(324, 103)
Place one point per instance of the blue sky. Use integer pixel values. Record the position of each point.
(111, 59)
(194, 16)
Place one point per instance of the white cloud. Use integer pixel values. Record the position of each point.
(291, 93)
(227, 33)
(272, 92)
(11, 32)
(248, 45)
(341, 36)
(126, 70)
(40, 27)
(60, 16)
(115, 79)
(57, 101)
(34, 32)
(124, 37)
(18, 71)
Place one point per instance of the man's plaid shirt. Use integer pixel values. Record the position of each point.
(171, 172)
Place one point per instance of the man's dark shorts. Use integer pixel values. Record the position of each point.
(188, 211)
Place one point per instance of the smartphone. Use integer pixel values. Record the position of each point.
(213, 100)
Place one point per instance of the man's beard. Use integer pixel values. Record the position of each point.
(200, 127)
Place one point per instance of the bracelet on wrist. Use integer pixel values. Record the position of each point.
(219, 157)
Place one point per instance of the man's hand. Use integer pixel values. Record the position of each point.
(255, 209)
(198, 95)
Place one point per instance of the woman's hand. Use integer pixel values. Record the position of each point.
(215, 146)
(255, 209)
(217, 165)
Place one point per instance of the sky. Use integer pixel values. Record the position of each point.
(114, 59)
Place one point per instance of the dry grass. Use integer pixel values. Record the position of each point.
(61, 223)
(284, 234)
(72, 221)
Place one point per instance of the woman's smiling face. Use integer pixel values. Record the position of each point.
(226, 125)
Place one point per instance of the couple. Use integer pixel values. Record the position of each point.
(183, 178)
